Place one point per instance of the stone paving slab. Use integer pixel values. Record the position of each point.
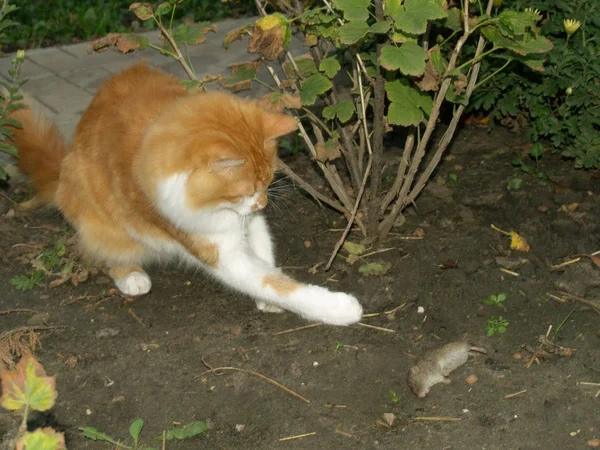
(63, 80)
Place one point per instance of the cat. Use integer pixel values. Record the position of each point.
(156, 172)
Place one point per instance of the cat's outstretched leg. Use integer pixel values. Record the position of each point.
(249, 274)
(259, 240)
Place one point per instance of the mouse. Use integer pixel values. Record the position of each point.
(436, 364)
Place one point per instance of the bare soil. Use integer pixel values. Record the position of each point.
(117, 359)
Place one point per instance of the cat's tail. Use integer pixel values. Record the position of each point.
(41, 149)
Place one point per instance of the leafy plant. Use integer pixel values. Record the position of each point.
(28, 389)
(371, 68)
(496, 300)
(27, 282)
(338, 346)
(10, 98)
(496, 325)
(135, 430)
(395, 399)
(560, 105)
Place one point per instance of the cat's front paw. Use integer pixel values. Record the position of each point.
(134, 283)
(334, 308)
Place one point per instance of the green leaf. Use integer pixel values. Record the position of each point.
(354, 9)
(243, 74)
(380, 27)
(28, 387)
(95, 435)
(409, 105)
(523, 46)
(353, 32)
(501, 297)
(342, 110)
(312, 87)
(42, 440)
(3, 174)
(330, 66)
(409, 58)
(517, 22)
(375, 268)
(454, 19)
(354, 249)
(163, 8)
(188, 430)
(135, 429)
(417, 13)
(393, 7)
(192, 33)
(143, 11)
(8, 148)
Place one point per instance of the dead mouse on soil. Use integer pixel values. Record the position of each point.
(436, 364)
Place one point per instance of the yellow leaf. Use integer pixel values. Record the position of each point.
(354, 248)
(27, 385)
(42, 439)
(517, 242)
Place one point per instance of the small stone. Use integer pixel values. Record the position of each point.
(389, 418)
(307, 244)
(316, 364)
(518, 356)
(471, 379)
(107, 332)
(39, 319)
(543, 208)
(240, 427)
(420, 310)
(88, 412)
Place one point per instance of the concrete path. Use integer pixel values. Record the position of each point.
(63, 80)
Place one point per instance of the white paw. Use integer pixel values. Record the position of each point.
(135, 283)
(268, 307)
(335, 308)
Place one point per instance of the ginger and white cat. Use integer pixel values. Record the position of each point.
(156, 172)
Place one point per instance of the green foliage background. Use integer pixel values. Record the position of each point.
(561, 106)
(45, 23)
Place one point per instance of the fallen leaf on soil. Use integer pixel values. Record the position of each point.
(307, 244)
(593, 443)
(329, 151)
(568, 208)
(419, 232)
(565, 352)
(27, 386)
(471, 379)
(472, 120)
(595, 260)
(352, 259)
(42, 439)
(448, 264)
(519, 243)
(353, 248)
(375, 268)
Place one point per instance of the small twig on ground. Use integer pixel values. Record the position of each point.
(376, 328)
(293, 330)
(164, 440)
(438, 419)
(136, 317)
(510, 272)
(563, 264)
(364, 316)
(256, 374)
(515, 394)
(8, 198)
(595, 304)
(587, 383)
(397, 308)
(378, 251)
(299, 436)
(343, 433)
(17, 310)
(329, 405)
(243, 354)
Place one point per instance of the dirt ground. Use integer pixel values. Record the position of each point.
(116, 359)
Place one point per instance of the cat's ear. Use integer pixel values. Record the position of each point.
(224, 164)
(277, 125)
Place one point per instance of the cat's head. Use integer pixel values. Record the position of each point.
(218, 150)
